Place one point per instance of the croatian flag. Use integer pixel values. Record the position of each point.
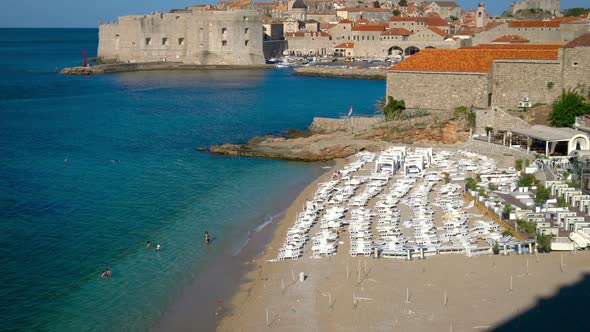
(350, 111)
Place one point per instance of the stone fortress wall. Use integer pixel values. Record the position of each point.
(188, 36)
(506, 84)
(452, 89)
(552, 6)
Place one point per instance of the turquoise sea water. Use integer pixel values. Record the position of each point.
(133, 175)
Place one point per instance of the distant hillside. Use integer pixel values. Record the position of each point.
(576, 11)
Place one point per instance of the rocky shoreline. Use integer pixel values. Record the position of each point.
(148, 66)
(339, 72)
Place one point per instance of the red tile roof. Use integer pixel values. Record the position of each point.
(345, 21)
(466, 31)
(582, 41)
(370, 27)
(534, 24)
(397, 32)
(345, 45)
(467, 60)
(516, 46)
(440, 32)
(510, 39)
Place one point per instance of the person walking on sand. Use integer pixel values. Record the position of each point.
(207, 238)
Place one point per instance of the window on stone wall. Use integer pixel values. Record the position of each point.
(224, 30)
(148, 41)
(246, 42)
(165, 41)
(246, 31)
(224, 43)
(575, 63)
(180, 41)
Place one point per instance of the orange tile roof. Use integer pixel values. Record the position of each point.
(354, 9)
(397, 32)
(466, 31)
(567, 19)
(510, 39)
(553, 46)
(581, 41)
(345, 21)
(534, 24)
(440, 32)
(345, 45)
(370, 27)
(330, 25)
(265, 3)
(467, 60)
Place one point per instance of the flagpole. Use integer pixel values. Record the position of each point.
(352, 123)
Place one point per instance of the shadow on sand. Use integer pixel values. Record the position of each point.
(561, 312)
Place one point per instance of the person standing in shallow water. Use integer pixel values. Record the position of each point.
(207, 238)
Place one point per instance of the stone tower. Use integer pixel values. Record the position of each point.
(480, 18)
(299, 10)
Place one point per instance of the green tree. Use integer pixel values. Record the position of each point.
(462, 112)
(518, 164)
(528, 227)
(527, 180)
(506, 233)
(542, 195)
(454, 18)
(394, 109)
(376, 4)
(576, 11)
(506, 211)
(471, 184)
(566, 107)
(561, 202)
(403, 3)
(396, 12)
(496, 248)
(544, 242)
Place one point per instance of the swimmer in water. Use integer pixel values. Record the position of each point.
(158, 247)
(149, 244)
(106, 274)
(207, 238)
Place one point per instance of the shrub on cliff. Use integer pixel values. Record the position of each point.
(566, 107)
(468, 115)
(394, 109)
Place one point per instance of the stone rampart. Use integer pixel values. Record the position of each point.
(514, 80)
(195, 37)
(437, 90)
(338, 72)
(497, 119)
(329, 125)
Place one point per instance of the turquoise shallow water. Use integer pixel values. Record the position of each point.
(133, 175)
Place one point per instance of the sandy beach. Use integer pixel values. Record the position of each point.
(441, 293)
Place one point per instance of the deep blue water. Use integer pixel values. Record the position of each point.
(133, 175)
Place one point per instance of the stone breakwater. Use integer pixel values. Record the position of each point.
(148, 66)
(339, 72)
